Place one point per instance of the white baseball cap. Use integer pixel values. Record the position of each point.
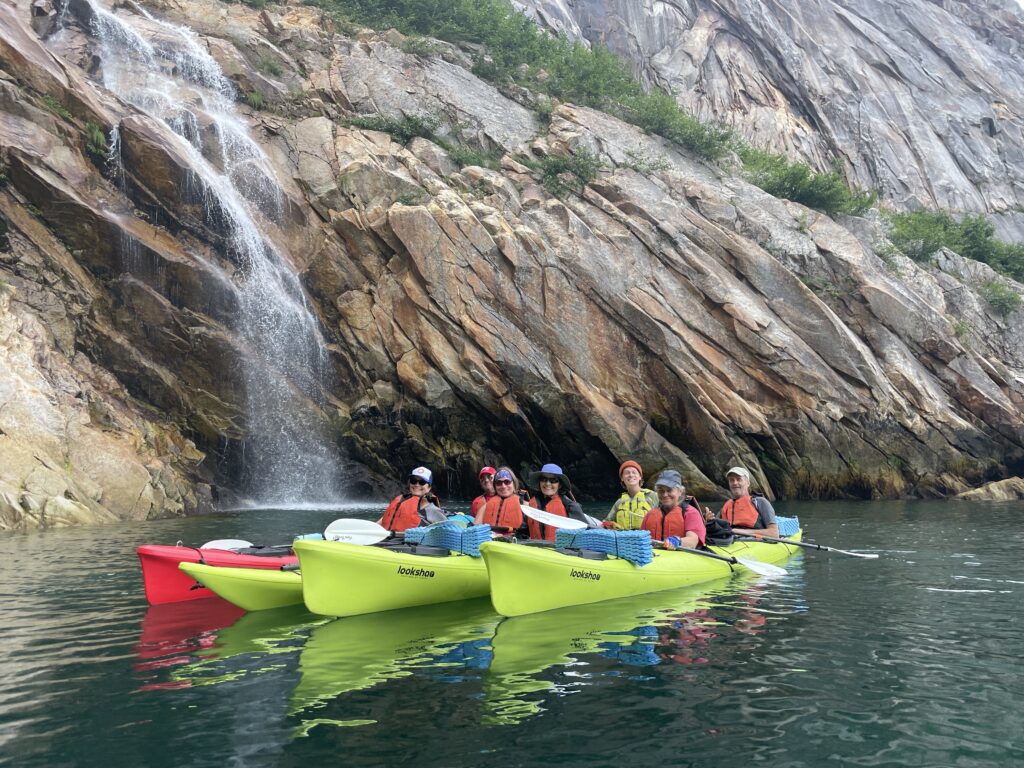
(739, 472)
(423, 474)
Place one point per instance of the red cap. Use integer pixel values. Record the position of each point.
(487, 471)
(630, 463)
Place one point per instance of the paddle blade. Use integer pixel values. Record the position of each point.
(764, 569)
(865, 555)
(351, 531)
(555, 521)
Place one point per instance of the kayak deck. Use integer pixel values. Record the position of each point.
(341, 579)
(254, 589)
(527, 579)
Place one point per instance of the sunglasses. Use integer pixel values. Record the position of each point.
(417, 481)
(503, 482)
(550, 479)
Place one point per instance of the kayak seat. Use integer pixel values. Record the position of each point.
(272, 551)
(586, 554)
(418, 549)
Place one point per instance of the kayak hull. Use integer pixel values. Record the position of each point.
(527, 579)
(165, 583)
(252, 589)
(348, 580)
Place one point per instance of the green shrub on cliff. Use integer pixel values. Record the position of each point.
(796, 181)
(403, 129)
(561, 174)
(515, 49)
(919, 234)
(1003, 300)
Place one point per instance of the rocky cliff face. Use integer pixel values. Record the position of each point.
(919, 99)
(670, 312)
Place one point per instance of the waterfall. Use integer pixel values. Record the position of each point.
(162, 70)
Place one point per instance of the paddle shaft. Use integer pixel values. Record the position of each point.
(806, 545)
(705, 553)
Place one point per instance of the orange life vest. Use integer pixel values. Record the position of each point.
(555, 507)
(664, 524)
(502, 513)
(479, 502)
(741, 512)
(403, 512)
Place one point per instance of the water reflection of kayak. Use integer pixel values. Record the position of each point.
(359, 652)
(256, 636)
(675, 626)
(172, 630)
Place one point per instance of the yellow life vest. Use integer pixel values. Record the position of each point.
(630, 510)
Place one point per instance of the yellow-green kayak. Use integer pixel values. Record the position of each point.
(254, 589)
(528, 579)
(341, 579)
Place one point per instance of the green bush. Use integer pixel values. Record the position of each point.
(403, 129)
(464, 156)
(561, 174)
(418, 45)
(271, 66)
(56, 107)
(920, 234)
(515, 49)
(796, 181)
(255, 99)
(1002, 299)
(96, 140)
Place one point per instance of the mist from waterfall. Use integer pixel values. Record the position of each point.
(162, 70)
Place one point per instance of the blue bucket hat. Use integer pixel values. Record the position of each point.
(669, 479)
(551, 469)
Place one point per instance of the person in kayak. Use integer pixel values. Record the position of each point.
(746, 512)
(627, 514)
(554, 495)
(410, 509)
(677, 526)
(486, 478)
(503, 511)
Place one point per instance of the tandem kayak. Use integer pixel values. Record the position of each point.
(165, 583)
(341, 579)
(527, 579)
(254, 589)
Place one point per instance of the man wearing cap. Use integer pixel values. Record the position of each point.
(745, 512)
(408, 510)
(628, 512)
(678, 527)
(486, 478)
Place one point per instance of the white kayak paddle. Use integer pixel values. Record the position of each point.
(555, 521)
(352, 531)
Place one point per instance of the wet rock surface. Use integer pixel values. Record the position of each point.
(668, 312)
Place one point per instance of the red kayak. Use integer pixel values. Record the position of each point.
(164, 583)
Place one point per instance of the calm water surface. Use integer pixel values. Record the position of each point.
(909, 660)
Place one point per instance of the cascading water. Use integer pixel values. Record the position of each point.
(162, 70)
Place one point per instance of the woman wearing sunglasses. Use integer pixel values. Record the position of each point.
(503, 511)
(554, 496)
(409, 510)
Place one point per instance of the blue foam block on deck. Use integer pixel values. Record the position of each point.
(634, 546)
(451, 536)
(788, 526)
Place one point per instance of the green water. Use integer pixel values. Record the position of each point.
(908, 660)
